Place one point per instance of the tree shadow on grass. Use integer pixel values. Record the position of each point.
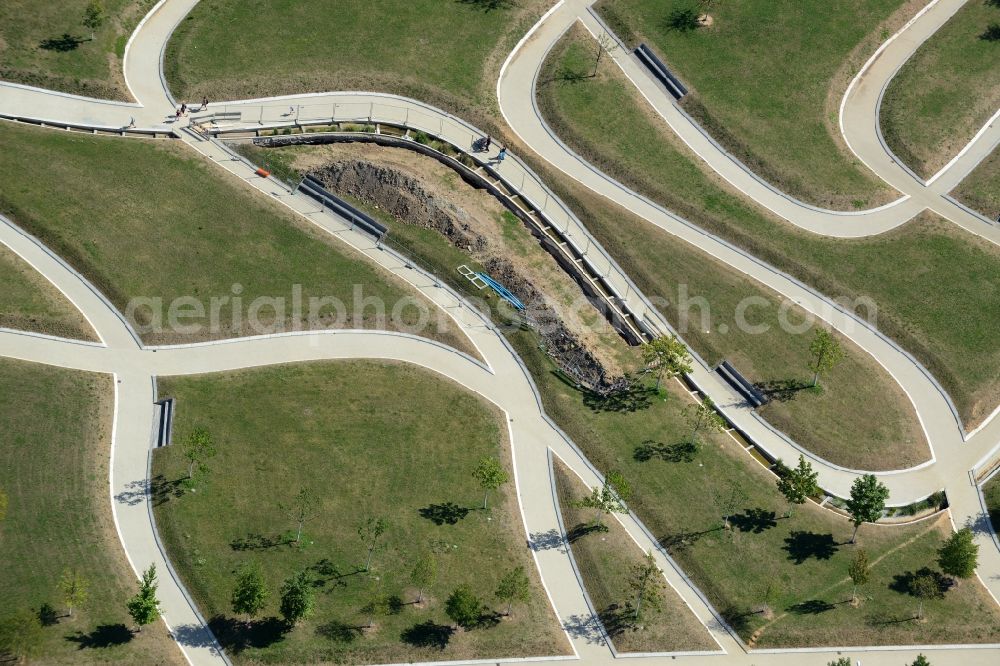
(782, 390)
(681, 540)
(630, 397)
(754, 520)
(448, 513)
(487, 5)
(428, 634)
(992, 33)
(803, 545)
(339, 632)
(903, 583)
(235, 635)
(737, 618)
(679, 452)
(811, 607)
(62, 44)
(617, 619)
(581, 530)
(254, 541)
(162, 491)
(882, 618)
(103, 636)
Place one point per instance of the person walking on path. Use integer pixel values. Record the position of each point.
(489, 140)
(502, 154)
(204, 103)
(131, 122)
(184, 108)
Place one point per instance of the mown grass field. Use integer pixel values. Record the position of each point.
(771, 101)
(797, 565)
(31, 303)
(45, 44)
(981, 189)
(935, 287)
(404, 449)
(605, 560)
(945, 92)
(444, 52)
(54, 471)
(149, 220)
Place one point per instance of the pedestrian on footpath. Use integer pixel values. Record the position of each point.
(489, 140)
(502, 154)
(131, 122)
(204, 103)
(184, 108)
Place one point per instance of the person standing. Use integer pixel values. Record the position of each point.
(489, 140)
(502, 154)
(204, 103)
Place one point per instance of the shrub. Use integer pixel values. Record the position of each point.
(464, 607)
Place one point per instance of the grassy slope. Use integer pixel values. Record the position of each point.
(945, 93)
(186, 228)
(605, 560)
(30, 303)
(54, 469)
(438, 51)
(766, 99)
(981, 189)
(408, 442)
(804, 558)
(936, 288)
(71, 63)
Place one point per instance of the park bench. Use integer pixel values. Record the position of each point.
(660, 71)
(750, 393)
(312, 187)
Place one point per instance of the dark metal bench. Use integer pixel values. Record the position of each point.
(750, 393)
(660, 71)
(314, 188)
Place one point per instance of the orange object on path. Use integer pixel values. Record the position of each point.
(262, 173)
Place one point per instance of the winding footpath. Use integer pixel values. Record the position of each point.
(501, 378)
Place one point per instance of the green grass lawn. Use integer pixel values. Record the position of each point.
(54, 470)
(798, 564)
(935, 287)
(403, 449)
(981, 189)
(188, 230)
(605, 560)
(445, 52)
(945, 93)
(45, 44)
(772, 102)
(31, 303)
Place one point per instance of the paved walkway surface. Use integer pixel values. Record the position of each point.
(503, 379)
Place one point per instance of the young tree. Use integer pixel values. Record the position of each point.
(369, 533)
(491, 475)
(302, 508)
(73, 587)
(959, 554)
(605, 44)
(144, 607)
(378, 604)
(607, 499)
(859, 571)
(250, 591)
(924, 585)
(93, 17)
(826, 353)
(197, 447)
(668, 356)
(464, 607)
(921, 660)
(702, 416)
(798, 484)
(729, 502)
(424, 574)
(514, 586)
(297, 598)
(20, 634)
(646, 582)
(867, 501)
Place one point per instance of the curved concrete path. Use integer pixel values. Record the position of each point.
(135, 367)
